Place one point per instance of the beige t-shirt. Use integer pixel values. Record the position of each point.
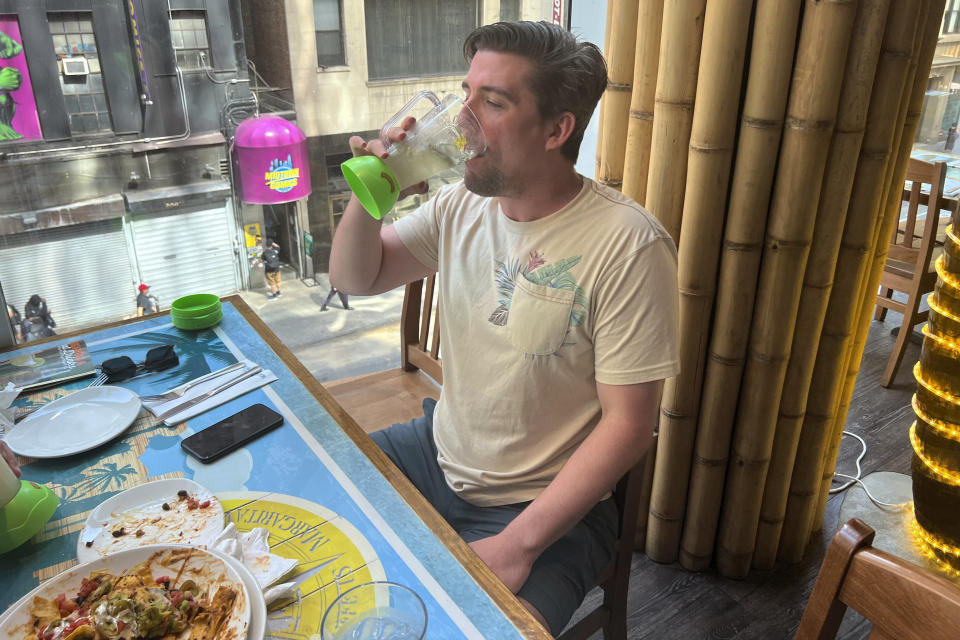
(534, 314)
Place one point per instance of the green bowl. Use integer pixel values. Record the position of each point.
(200, 322)
(195, 306)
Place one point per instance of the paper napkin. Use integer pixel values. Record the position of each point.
(253, 550)
(7, 413)
(159, 408)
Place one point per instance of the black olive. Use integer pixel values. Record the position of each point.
(165, 506)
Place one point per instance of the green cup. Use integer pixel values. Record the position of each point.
(374, 184)
(198, 322)
(197, 304)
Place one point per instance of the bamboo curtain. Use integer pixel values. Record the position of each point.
(769, 137)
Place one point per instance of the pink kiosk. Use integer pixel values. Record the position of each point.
(271, 161)
(271, 166)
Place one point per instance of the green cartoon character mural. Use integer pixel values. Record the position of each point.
(10, 81)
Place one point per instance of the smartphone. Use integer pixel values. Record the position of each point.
(231, 433)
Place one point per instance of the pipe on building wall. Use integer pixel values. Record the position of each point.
(108, 145)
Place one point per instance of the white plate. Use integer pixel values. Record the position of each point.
(141, 508)
(258, 606)
(75, 423)
(15, 622)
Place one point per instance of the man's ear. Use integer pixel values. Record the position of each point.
(560, 131)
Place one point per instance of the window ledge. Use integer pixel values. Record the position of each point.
(415, 80)
(340, 68)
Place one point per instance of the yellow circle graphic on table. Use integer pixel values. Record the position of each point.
(332, 555)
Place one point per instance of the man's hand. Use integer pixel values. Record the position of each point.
(10, 458)
(505, 558)
(376, 147)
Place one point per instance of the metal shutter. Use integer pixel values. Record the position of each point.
(184, 252)
(83, 271)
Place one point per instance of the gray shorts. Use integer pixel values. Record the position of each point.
(561, 576)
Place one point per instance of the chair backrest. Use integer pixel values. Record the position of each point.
(420, 328)
(902, 600)
(903, 244)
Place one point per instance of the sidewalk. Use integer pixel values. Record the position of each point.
(335, 343)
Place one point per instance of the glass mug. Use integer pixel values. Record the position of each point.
(446, 133)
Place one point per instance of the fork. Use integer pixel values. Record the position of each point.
(173, 394)
(99, 381)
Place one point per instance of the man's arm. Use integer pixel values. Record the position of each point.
(623, 435)
(367, 258)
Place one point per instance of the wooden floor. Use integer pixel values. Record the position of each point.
(668, 602)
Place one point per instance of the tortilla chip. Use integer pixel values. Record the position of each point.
(83, 632)
(45, 611)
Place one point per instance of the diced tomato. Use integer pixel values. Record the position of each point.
(204, 504)
(163, 579)
(87, 587)
(176, 597)
(120, 625)
(65, 606)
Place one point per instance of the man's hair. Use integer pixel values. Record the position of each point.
(567, 75)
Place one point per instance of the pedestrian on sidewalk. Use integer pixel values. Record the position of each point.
(146, 303)
(271, 268)
(343, 299)
(951, 139)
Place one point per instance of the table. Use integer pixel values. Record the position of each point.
(325, 492)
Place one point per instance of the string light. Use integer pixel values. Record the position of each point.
(943, 395)
(944, 473)
(936, 542)
(940, 340)
(943, 428)
(945, 276)
(940, 310)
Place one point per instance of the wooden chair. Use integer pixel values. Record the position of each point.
(378, 400)
(909, 268)
(902, 600)
(611, 614)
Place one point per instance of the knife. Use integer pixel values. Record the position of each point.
(192, 402)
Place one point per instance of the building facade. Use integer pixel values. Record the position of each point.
(115, 118)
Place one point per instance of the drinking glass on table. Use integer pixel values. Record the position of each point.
(375, 611)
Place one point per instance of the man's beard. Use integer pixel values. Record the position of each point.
(492, 182)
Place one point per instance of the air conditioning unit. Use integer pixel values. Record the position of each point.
(75, 66)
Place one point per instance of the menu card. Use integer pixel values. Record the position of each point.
(47, 366)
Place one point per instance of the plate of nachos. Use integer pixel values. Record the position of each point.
(159, 591)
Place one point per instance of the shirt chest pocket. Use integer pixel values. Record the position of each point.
(539, 317)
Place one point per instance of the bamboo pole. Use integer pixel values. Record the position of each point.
(925, 45)
(673, 111)
(617, 95)
(811, 111)
(712, 140)
(761, 124)
(832, 212)
(852, 261)
(636, 164)
(603, 102)
(673, 115)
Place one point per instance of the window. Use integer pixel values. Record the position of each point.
(413, 38)
(951, 17)
(188, 30)
(326, 18)
(80, 78)
(509, 10)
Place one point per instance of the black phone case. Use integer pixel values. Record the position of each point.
(186, 445)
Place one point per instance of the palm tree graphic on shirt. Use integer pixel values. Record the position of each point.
(537, 271)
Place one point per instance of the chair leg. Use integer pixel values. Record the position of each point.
(903, 338)
(881, 312)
